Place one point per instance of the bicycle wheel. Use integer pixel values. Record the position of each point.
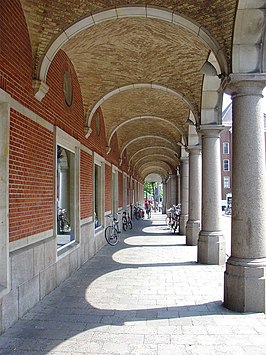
(124, 223)
(174, 227)
(130, 224)
(111, 235)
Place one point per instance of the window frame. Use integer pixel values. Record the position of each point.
(114, 189)
(228, 165)
(4, 186)
(124, 190)
(99, 161)
(226, 144)
(227, 178)
(69, 143)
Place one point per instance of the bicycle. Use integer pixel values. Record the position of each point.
(111, 232)
(173, 217)
(138, 212)
(63, 224)
(126, 221)
(168, 218)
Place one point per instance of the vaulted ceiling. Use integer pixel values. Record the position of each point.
(141, 64)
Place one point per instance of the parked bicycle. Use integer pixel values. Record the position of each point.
(173, 217)
(111, 232)
(138, 212)
(63, 224)
(228, 210)
(126, 221)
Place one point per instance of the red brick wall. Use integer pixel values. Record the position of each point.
(31, 184)
(30, 177)
(15, 53)
(114, 156)
(32, 146)
(86, 185)
(70, 119)
(97, 142)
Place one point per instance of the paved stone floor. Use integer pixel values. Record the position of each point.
(147, 295)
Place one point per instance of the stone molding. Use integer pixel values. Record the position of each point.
(40, 89)
(194, 149)
(4, 194)
(210, 130)
(245, 84)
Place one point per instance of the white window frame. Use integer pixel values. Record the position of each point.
(224, 165)
(68, 142)
(228, 183)
(226, 144)
(4, 186)
(124, 190)
(100, 161)
(114, 189)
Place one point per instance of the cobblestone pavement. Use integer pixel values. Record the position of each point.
(147, 295)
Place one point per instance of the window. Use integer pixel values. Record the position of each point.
(98, 190)
(124, 190)
(114, 190)
(227, 182)
(225, 148)
(226, 165)
(67, 190)
(97, 196)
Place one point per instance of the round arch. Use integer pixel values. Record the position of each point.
(158, 163)
(124, 12)
(150, 147)
(129, 120)
(143, 137)
(116, 91)
(161, 172)
(160, 157)
(155, 169)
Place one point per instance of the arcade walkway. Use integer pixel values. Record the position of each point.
(147, 295)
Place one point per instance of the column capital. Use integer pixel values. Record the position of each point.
(245, 84)
(184, 160)
(210, 130)
(170, 177)
(194, 149)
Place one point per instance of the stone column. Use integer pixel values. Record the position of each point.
(178, 185)
(164, 197)
(194, 221)
(172, 184)
(245, 275)
(211, 244)
(184, 195)
(168, 190)
(64, 187)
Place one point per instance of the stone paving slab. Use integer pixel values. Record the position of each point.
(147, 295)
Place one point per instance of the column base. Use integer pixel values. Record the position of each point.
(245, 285)
(183, 223)
(192, 232)
(211, 248)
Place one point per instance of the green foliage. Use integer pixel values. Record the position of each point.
(148, 187)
